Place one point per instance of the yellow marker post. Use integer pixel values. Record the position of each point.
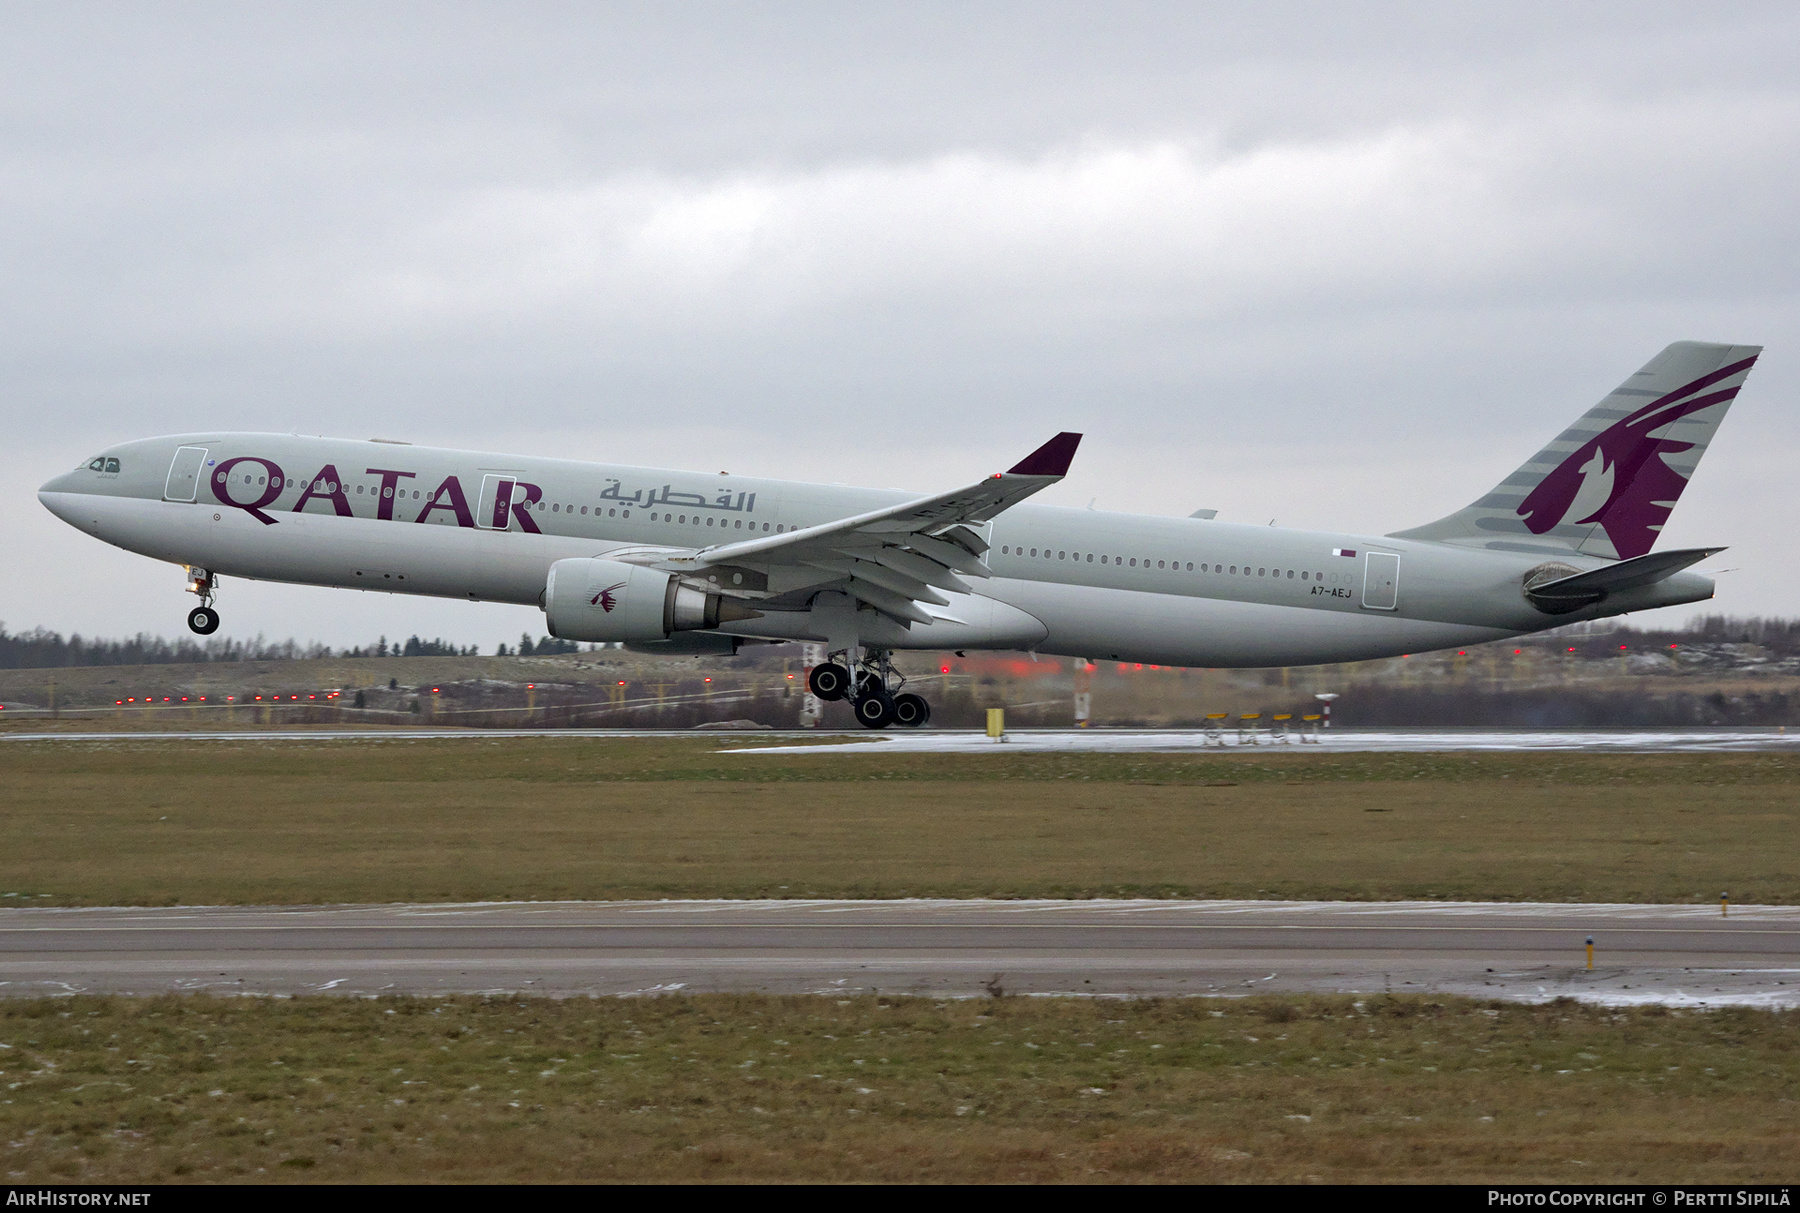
(1590, 947)
(996, 723)
(1724, 905)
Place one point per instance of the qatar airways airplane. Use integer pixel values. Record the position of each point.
(689, 562)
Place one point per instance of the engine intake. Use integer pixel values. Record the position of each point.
(587, 598)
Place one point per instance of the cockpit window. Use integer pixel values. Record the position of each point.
(97, 465)
(112, 465)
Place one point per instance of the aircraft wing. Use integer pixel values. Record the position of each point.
(896, 559)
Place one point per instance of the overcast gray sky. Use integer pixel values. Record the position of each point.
(1329, 264)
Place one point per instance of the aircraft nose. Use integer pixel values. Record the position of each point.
(61, 496)
(65, 483)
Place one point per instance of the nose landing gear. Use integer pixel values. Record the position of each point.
(203, 619)
(874, 702)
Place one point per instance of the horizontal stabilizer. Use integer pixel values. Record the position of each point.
(1625, 575)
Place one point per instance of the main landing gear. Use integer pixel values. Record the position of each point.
(875, 703)
(203, 619)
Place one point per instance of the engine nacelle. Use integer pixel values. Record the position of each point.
(609, 601)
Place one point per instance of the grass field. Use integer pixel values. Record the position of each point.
(745, 1088)
(317, 822)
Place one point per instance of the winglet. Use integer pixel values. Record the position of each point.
(1051, 459)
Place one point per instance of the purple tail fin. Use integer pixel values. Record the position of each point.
(1607, 484)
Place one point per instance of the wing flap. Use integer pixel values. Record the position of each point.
(915, 566)
(888, 602)
(884, 577)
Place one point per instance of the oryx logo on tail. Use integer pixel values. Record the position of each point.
(604, 599)
(1606, 485)
(1619, 478)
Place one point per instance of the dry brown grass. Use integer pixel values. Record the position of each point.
(752, 1088)
(309, 822)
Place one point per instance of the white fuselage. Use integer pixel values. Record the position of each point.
(1176, 591)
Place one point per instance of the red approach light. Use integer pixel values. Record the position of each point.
(202, 699)
(133, 699)
(1571, 648)
(1621, 648)
(790, 678)
(1460, 653)
(943, 669)
(707, 680)
(118, 701)
(434, 690)
(309, 697)
(229, 698)
(293, 696)
(259, 696)
(166, 699)
(1671, 646)
(531, 686)
(1516, 652)
(622, 681)
(184, 699)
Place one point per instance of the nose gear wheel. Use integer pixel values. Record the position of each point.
(203, 619)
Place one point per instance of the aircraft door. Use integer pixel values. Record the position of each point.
(1381, 581)
(184, 474)
(494, 511)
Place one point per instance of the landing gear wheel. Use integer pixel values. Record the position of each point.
(828, 682)
(868, 683)
(203, 620)
(911, 711)
(875, 711)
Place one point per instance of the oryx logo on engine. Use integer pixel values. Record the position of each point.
(604, 599)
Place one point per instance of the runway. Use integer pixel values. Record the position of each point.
(1071, 741)
(1680, 955)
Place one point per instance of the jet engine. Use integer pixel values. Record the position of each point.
(606, 600)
